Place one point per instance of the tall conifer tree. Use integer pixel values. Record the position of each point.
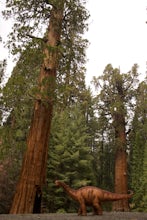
(30, 16)
(114, 100)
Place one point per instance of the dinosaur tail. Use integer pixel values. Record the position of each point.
(108, 196)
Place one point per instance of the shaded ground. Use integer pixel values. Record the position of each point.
(105, 216)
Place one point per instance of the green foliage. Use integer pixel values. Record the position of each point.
(111, 82)
(33, 18)
(143, 202)
(17, 102)
(138, 146)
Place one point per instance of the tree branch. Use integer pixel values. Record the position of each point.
(37, 38)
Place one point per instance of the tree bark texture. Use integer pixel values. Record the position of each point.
(121, 179)
(27, 198)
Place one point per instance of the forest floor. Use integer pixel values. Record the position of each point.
(105, 216)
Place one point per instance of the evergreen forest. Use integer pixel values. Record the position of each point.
(87, 121)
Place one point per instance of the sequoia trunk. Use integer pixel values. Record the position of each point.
(27, 198)
(121, 180)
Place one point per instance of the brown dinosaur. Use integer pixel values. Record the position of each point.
(91, 196)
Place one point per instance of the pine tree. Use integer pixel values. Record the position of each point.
(70, 157)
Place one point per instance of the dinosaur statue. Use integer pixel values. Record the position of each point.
(91, 196)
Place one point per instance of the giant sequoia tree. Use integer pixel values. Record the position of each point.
(29, 18)
(114, 101)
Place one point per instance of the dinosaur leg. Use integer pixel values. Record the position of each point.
(94, 211)
(82, 209)
(79, 211)
(97, 208)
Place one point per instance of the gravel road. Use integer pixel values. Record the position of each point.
(105, 216)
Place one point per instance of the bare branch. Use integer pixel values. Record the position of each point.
(37, 38)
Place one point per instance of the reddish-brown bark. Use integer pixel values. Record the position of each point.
(27, 197)
(121, 180)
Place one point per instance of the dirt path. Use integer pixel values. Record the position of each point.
(105, 216)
